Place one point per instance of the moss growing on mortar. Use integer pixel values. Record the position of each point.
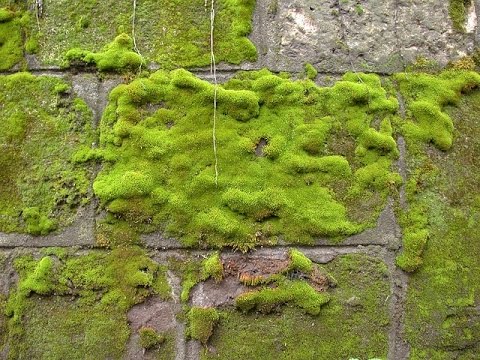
(170, 33)
(77, 305)
(156, 142)
(212, 267)
(42, 126)
(194, 271)
(298, 261)
(301, 283)
(310, 72)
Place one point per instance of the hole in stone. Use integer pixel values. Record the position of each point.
(312, 8)
(259, 149)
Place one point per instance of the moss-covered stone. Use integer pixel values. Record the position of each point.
(170, 33)
(426, 97)
(43, 125)
(156, 143)
(458, 13)
(201, 322)
(442, 320)
(116, 56)
(75, 306)
(354, 324)
(149, 338)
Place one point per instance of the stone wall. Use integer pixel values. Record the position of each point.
(101, 311)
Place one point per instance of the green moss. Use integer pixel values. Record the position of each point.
(156, 142)
(42, 126)
(298, 261)
(296, 293)
(427, 122)
(212, 267)
(116, 56)
(458, 13)
(172, 34)
(441, 320)
(40, 280)
(11, 38)
(36, 223)
(353, 324)
(77, 305)
(201, 322)
(149, 338)
(310, 72)
(425, 96)
(6, 15)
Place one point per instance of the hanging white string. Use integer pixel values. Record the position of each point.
(135, 48)
(213, 71)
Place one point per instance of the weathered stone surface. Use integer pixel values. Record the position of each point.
(374, 35)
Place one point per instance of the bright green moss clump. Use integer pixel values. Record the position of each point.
(310, 72)
(11, 37)
(298, 261)
(156, 142)
(42, 126)
(212, 267)
(426, 95)
(116, 56)
(201, 322)
(296, 293)
(171, 33)
(77, 305)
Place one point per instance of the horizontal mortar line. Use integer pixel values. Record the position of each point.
(269, 247)
(304, 248)
(196, 71)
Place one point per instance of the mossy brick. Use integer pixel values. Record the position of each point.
(43, 125)
(159, 165)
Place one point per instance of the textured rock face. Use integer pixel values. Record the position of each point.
(373, 35)
(94, 288)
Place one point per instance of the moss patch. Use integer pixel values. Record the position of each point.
(16, 34)
(427, 122)
(201, 322)
(156, 143)
(353, 324)
(442, 318)
(77, 305)
(149, 338)
(458, 13)
(42, 126)
(295, 293)
(170, 33)
(11, 41)
(116, 56)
